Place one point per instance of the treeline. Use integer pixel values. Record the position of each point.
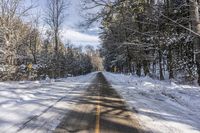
(150, 37)
(26, 53)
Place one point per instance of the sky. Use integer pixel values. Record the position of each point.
(70, 29)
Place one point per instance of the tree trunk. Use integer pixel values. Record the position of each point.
(160, 65)
(154, 68)
(128, 60)
(194, 14)
(170, 63)
(146, 67)
(138, 67)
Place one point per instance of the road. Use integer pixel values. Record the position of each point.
(99, 110)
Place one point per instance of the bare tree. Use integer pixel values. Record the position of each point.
(11, 14)
(55, 16)
(34, 38)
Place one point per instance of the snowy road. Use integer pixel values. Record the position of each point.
(38, 106)
(93, 103)
(78, 104)
(99, 110)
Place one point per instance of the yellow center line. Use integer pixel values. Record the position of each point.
(98, 111)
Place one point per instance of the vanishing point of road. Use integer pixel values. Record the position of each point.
(99, 110)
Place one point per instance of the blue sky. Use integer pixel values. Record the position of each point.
(70, 29)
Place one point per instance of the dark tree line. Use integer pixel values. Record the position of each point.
(149, 37)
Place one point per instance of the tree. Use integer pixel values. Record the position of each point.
(55, 16)
(13, 31)
(148, 37)
(194, 13)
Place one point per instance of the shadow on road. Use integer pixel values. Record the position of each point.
(114, 115)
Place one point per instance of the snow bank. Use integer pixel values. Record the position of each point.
(162, 106)
(26, 106)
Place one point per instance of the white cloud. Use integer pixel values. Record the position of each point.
(96, 29)
(75, 37)
(79, 38)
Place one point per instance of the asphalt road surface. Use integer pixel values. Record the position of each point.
(99, 110)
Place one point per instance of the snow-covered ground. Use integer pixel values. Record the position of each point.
(38, 105)
(163, 107)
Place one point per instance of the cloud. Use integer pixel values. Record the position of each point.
(95, 29)
(79, 38)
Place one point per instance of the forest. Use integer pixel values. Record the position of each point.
(159, 38)
(29, 51)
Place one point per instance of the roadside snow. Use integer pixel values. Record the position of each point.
(38, 106)
(163, 107)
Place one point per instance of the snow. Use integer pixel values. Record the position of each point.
(38, 106)
(161, 106)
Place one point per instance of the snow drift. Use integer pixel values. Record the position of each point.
(161, 106)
